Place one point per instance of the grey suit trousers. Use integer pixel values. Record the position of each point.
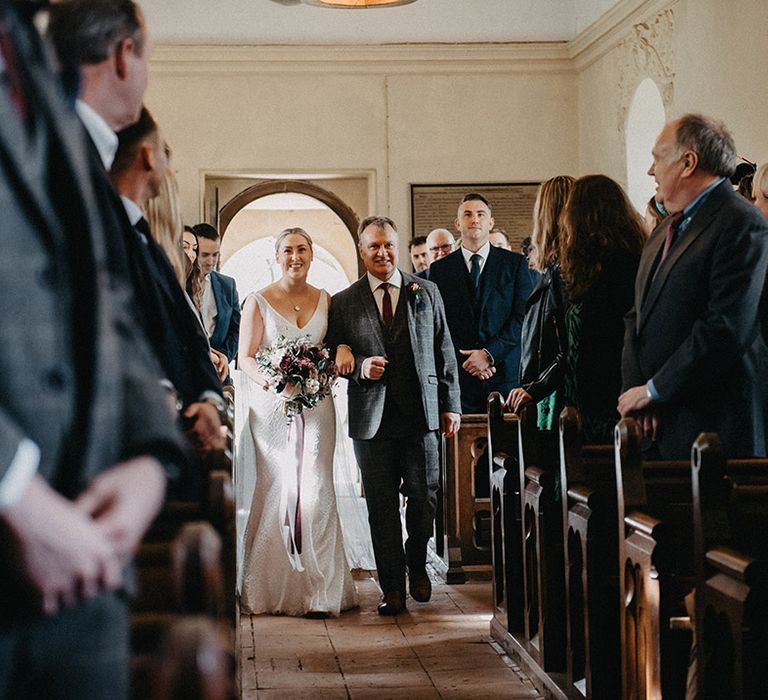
(390, 466)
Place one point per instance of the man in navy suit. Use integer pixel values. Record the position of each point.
(221, 307)
(484, 289)
(694, 355)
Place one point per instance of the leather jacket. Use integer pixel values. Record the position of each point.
(544, 339)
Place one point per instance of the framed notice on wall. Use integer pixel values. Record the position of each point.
(435, 206)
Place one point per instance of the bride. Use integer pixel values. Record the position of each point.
(294, 560)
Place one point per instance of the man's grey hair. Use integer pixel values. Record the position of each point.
(710, 140)
(376, 220)
(86, 32)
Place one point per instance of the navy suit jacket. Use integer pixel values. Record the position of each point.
(695, 330)
(225, 335)
(493, 321)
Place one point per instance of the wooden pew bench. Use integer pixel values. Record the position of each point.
(730, 520)
(588, 475)
(656, 567)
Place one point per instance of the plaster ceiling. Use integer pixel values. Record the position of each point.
(254, 22)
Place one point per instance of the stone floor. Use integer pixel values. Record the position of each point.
(441, 649)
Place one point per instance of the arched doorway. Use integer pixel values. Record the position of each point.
(645, 119)
(248, 254)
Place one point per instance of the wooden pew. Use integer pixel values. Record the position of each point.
(543, 560)
(588, 475)
(464, 504)
(656, 567)
(730, 520)
(506, 522)
(196, 662)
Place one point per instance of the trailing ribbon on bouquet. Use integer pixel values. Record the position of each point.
(290, 494)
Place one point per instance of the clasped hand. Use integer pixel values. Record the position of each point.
(478, 363)
(67, 551)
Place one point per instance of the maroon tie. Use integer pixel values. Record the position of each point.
(386, 305)
(674, 221)
(12, 75)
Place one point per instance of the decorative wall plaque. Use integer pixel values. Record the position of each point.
(435, 206)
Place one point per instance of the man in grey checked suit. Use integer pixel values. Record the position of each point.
(403, 389)
(83, 420)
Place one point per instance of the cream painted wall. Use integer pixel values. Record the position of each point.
(717, 51)
(458, 113)
(407, 114)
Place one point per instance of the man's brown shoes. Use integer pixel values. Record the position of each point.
(419, 586)
(392, 603)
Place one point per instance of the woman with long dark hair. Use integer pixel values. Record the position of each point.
(599, 244)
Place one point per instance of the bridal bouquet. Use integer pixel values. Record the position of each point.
(299, 372)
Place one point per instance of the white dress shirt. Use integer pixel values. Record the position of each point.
(394, 282)
(483, 253)
(209, 310)
(100, 132)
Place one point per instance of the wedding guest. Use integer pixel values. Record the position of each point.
(220, 305)
(654, 215)
(499, 238)
(176, 338)
(403, 390)
(83, 423)
(598, 250)
(693, 348)
(440, 242)
(294, 552)
(484, 290)
(760, 189)
(418, 251)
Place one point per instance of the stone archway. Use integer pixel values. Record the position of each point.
(262, 189)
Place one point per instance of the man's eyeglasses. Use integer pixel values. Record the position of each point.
(446, 248)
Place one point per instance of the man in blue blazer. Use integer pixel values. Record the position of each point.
(221, 307)
(484, 290)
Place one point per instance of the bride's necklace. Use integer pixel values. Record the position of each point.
(296, 307)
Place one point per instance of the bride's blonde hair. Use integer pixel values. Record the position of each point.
(290, 232)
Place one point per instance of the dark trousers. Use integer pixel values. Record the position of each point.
(407, 465)
(80, 654)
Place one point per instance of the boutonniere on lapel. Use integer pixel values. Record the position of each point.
(415, 294)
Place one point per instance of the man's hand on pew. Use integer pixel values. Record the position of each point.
(124, 500)
(206, 433)
(517, 399)
(60, 553)
(450, 423)
(634, 400)
(637, 402)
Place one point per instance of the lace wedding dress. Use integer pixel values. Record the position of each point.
(293, 559)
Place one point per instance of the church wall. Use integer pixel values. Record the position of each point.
(704, 55)
(399, 114)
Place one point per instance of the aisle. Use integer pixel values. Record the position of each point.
(441, 649)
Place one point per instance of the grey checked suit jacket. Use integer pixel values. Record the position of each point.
(354, 321)
(74, 375)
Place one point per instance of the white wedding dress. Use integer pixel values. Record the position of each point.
(298, 567)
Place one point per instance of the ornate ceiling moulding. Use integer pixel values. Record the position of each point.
(356, 4)
(649, 52)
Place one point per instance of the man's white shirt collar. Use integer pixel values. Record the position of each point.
(483, 253)
(396, 280)
(100, 132)
(132, 209)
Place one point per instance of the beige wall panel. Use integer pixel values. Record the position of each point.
(478, 128)
(268, 123)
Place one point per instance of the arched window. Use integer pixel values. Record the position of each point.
(645, 120)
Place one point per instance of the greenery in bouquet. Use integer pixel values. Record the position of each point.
(299, 372)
